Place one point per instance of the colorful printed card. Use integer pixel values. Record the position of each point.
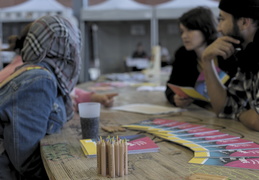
(153, 124)
(213, 139)
(243, 146)
(207, 134)
(199, 91)
(187, 132)
(228, 153)
(136, 144)
(180, 128)
(225, 142)
(235, 162)
(148, 109)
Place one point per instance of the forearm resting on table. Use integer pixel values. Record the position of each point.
(250, 119)
(216, 89)
(80, 95)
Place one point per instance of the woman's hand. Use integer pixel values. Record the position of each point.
(182, 102)
(105, 99)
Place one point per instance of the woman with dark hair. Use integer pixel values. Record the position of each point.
(198, 30)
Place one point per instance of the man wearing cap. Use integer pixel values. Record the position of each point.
(239, 26)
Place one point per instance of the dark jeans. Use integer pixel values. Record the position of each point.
(8, 172)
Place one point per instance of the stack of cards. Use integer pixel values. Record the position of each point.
(137, 143)
(210, 146)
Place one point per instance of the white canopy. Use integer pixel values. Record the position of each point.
(33, 9)
(36, 5)
(175, 8)
(112, 10)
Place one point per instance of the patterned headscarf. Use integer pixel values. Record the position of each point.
(54, 40)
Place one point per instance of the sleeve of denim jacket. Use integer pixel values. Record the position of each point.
(30, 108)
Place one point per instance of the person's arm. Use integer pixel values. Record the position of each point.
(79, 95)
(250, 119)
(215, 88)
(105, 99)
(28, 111)
(169, 94)
(221, 47)
(176, 66)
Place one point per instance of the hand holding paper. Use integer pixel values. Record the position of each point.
(182, 102)
(199, 91)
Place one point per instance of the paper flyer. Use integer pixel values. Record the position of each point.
(235, 162)
(213, 139)
(148, 109)
(187, 92)
(228, 153)
(206, 134)
(210, 146)
(199, 91)
(242, 146)
(180, 128)
(224, 142)
(153, 124)
(187, 132)
(136, 144)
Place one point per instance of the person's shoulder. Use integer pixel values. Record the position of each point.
(182, 52)
(36, 73)
(29, 75)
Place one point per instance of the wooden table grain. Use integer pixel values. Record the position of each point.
(64, 159)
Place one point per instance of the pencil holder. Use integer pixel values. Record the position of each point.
(112, 157)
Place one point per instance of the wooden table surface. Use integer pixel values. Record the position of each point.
(64, 159)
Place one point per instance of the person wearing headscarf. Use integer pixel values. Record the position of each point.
(78, 95)
(35, 99)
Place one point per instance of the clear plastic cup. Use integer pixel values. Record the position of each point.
(89, 113)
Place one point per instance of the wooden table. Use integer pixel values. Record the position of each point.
(64, 159)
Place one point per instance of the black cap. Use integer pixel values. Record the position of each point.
(241, 8)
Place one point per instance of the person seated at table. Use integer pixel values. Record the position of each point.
(78, 95)
(239, 26)
(139, 53)
(198, 30)
(165, 56)
(35, 99)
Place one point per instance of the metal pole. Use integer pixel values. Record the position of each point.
(95, 45)
(84, 75)
(154, 28)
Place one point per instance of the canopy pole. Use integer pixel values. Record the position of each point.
(154, 28)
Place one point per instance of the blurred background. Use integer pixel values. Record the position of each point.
(111, 29)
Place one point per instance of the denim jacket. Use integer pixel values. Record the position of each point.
(30, 107)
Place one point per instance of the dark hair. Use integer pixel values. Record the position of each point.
(16, 42)
(22, 36)
(236, 18)
(201, 18)
(241, 8)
